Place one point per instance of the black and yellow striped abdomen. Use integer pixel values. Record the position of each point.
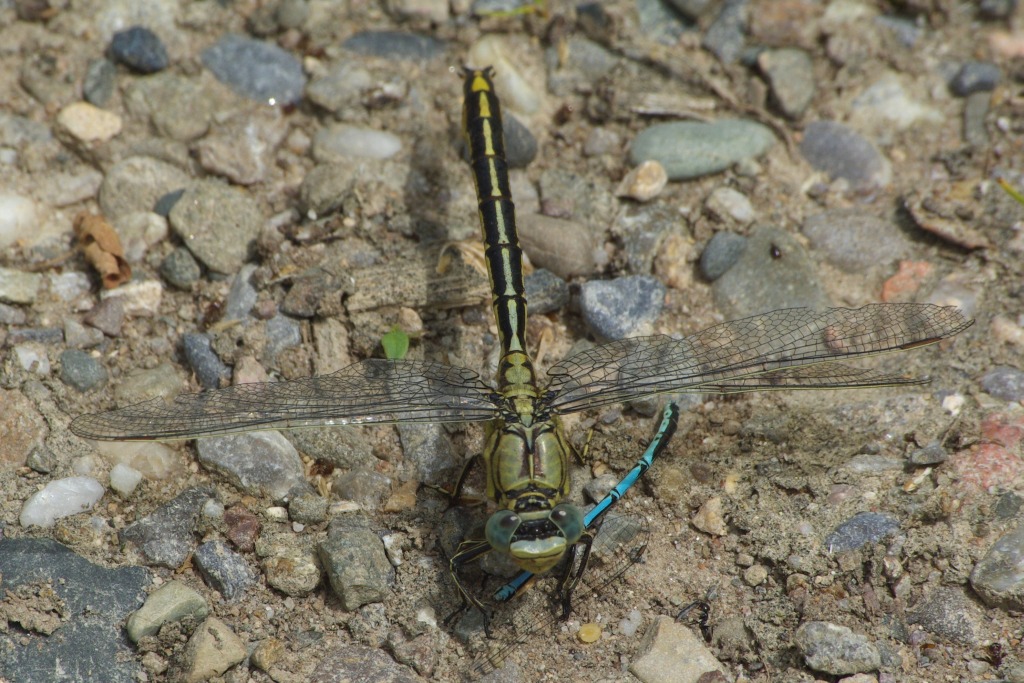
(482, 123)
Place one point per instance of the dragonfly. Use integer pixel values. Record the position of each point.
(526, 456)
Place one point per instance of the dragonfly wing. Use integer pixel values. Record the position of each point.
(372, 391)
(754, 353)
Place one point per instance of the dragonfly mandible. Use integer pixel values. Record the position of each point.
(526, 454)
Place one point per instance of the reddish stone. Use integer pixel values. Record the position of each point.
(905, 283)
(243, 528)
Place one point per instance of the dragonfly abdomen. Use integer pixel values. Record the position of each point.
(482, 119)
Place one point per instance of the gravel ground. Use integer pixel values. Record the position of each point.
(284, 179)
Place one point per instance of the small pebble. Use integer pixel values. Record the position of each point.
(211, 372)
(170, 603)
(88, 123)
(212, 650)
(974, 77)
(139, 49)
(60, 498)
(710, 518)
(790, 75)
(17, 287)
(620, 308)
(342, 142)
(731, 205)
(394, 45)
(99, 82)
(180, 269)
(81, 371)
(863, 528)
(260, 71)
(19, 217)
(643, 183)
(124, 479)
(689, 149)
(723, 250)
(1004, 382)
(841, 152)
(589, 633)
(835, 650)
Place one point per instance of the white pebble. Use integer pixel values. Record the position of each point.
(61, 498)
(124, 479)
(18, 219)
(629, 625)
(213, 509)
(84, 466)
(140, 298)
(32, 357)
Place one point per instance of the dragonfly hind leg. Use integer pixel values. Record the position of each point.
(468, 551)
(454, 495)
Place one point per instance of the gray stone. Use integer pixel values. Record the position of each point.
(260, 71)
(546, 292)
(689, 149)
(999, 576)
(1005, 383)
(17, 287)
(842, 152)
(99, 82)
(180, 269)
(165, 535)
(224, 569)
(620, 308)
(430, 451)
(726, 35)
(171, 602)
(394, 45)
(947, 612)
(974, 77)
(790, 75)
(836, 650)
(86, 605)
(136, 183)
(81, 371)
(308, 508)
(722, 252)
(139, 49)
(932, 454)
(368, 488)
(211, 372)
(218, 224)
(773, 272)
(356, 564)
(861, 529)
(358, 663)
(259, 463)
(854, 240)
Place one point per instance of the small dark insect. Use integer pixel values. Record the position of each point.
(564, 114)
(775, 252)
(705, 612)
(213, 312)
(995, 654)
(321, 467)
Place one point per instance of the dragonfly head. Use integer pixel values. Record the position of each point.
(536, 541)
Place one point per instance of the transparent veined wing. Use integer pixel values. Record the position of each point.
(371, 391)
(755, 353)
